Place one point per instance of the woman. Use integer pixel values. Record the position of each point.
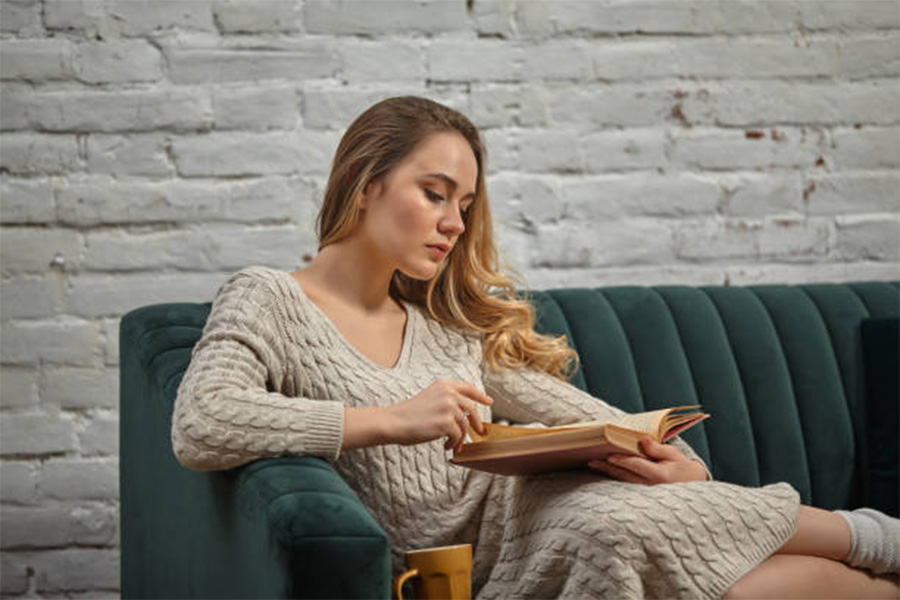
(401, 332)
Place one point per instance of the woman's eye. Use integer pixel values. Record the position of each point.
(433, 196)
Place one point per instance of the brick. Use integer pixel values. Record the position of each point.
(494, 18)
(581, 244)
(112, 110)
(599, 197)
(15, 571)
(506, 105)
(761, 194)
(631, 149)
(39, 154)
(18, 482)
(382, 60)
(70, 569)
(551, 151)
(221, 154)
(18, 387)
(97, 200)
(718, 58)
(26, 200)
(22, 17)
(482, 60)
(663, 274)
(539, 199)
(538, 19)
(34, 527)
(802, 273)
(856, 192)
(337, 108)
(259, 16)
(101, 295)
(502, 150)
(716, 239)
(79, 388)
(736, 149)
(869, 237)
(127, 17)
(111, 336)
(30, 249)
(515, 246)
(117, 62)
(37, 433)
(559, 60)
(866, 148)
(101, 436)
(30, 296)
(874, 102)
(219, 248)
(795, 239)
(80, 479)
(60, 341)
(845, 15)
(273, 199)
(37, 60)
(135, 154)
(217, 61)
(258, 107)
(384, 17)
(868, 56)
(59, 525)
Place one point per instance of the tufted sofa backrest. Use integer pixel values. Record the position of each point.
(779, 367)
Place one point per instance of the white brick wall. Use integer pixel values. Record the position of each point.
(149, 148)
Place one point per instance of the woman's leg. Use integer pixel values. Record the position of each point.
(807, 565)
(819, 533)
(797, 576)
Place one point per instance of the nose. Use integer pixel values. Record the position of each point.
(451, 222)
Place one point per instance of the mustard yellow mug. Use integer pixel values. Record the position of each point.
(444, 572)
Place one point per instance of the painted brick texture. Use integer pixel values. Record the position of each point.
(150, 148)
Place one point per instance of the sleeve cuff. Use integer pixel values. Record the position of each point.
(324, 435)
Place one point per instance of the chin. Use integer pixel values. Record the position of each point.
(422, 273)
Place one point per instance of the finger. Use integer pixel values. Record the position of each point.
(472, 416)
(616, 472)
(474, 393)
(640, 466)
(659, 451)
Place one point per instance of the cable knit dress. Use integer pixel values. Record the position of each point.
(272, 375)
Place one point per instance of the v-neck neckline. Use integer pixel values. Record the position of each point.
(407, 330)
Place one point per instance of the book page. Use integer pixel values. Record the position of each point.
(645, 422)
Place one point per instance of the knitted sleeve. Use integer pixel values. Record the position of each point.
(226, 413)
(527, 395)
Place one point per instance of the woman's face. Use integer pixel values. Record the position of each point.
(413, 216)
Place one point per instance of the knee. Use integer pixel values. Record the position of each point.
(739, 591)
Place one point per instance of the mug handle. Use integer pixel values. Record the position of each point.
(400, 580)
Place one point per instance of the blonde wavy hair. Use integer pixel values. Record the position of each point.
(469, 291)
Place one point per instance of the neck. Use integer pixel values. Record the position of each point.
(354, 275)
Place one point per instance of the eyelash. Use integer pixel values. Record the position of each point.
(435, 197)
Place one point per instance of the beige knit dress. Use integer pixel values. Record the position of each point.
(271, 376)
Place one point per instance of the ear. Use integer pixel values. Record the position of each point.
(368, 193)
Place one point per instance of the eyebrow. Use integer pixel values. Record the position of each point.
(448, 179)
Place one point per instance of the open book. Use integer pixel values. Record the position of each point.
(510, 450)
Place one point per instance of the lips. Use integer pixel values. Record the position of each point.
(439, 250)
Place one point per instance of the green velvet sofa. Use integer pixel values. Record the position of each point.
(801, 381)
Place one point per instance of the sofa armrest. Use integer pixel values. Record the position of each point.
(332, 545)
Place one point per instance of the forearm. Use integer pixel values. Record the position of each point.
(365, 426)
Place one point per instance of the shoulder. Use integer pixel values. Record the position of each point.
(257, 281)
(253, 291)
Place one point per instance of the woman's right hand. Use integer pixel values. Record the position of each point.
(443, 409)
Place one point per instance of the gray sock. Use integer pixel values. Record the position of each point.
(874, 540)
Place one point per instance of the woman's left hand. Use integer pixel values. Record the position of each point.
(666, 464)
